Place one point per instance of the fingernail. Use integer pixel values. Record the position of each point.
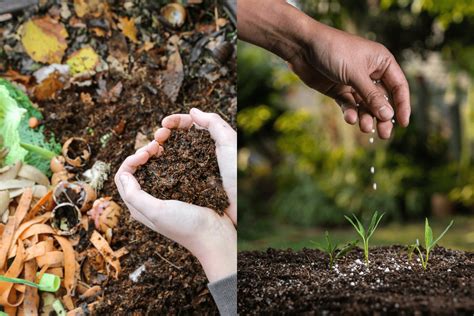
(195, 110)
(385, 113)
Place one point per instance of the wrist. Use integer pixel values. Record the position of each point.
(217, 253)
(275, 26)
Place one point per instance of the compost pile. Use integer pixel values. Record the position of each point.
(288, 281)
(186, 171)
(110, 72)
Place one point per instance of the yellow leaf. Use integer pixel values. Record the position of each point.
(44, 40)
(83, 60)
(81, 8)
(93, 8)
(128, 28)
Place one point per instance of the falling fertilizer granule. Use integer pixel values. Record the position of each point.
(372, 170)
(371, 140)
(374, 185)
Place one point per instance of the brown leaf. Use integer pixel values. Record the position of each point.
(172, 79)
(109, 96)
(48, 87)
(16, 76)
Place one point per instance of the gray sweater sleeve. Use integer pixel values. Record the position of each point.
(224, 293)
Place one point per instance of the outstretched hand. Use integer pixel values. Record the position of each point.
(210, 237)
(333, 62)
(361, 75)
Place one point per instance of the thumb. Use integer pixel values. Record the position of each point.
(376, 101)
(129, 185)
(220, 130)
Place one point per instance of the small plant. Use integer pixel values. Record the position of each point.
(365, 234)
(429, 243)
(334, 251)
(410, 251)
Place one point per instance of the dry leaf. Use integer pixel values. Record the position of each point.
(146, 47)
(86, 99)
(16, 76)
(141, 141)
(94, 8)
(221, 22)
(83, 60)
(128, 28)
(173, 77)
(109, 96)
(48, 87)
(44, 40)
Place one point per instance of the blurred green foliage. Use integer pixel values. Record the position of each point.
(299, 163)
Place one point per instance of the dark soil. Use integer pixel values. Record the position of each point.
(173, 282)
(187, 171)
(299, 282)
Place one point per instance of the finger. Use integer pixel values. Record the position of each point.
(349, 107)
(375, 100)
(162, 135)
(226, 151)
(366, 121)
(151, 148)
(133, 211)
(131, 163)
(384, 129)
(397, 84)
(164, 215)
(181, 121)
(220, 130)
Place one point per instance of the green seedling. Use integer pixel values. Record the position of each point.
(429, 243)
(410, 251)
(365, 234)
(48, 283)
(334, 251)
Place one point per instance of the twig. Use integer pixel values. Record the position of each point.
(171, 263)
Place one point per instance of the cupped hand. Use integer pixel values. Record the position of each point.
(208, 236)
(346, 68)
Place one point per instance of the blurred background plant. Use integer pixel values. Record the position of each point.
(301, 168)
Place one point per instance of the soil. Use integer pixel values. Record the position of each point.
(187, 171)
(300, 282)
(112, 111)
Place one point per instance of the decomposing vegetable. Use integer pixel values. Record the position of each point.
(22, 142)
(57, 164)
(105, 214)
(335, 251)
(173, 15)
(61, 176)
(429, 243)
(80, 194)
(66, 218)
(76, 151)
(4, 202)
(104, 248)
(365, 234)
(10, 172)
(31, 173)
(16, 178)
(97, 175)
(3, 152)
